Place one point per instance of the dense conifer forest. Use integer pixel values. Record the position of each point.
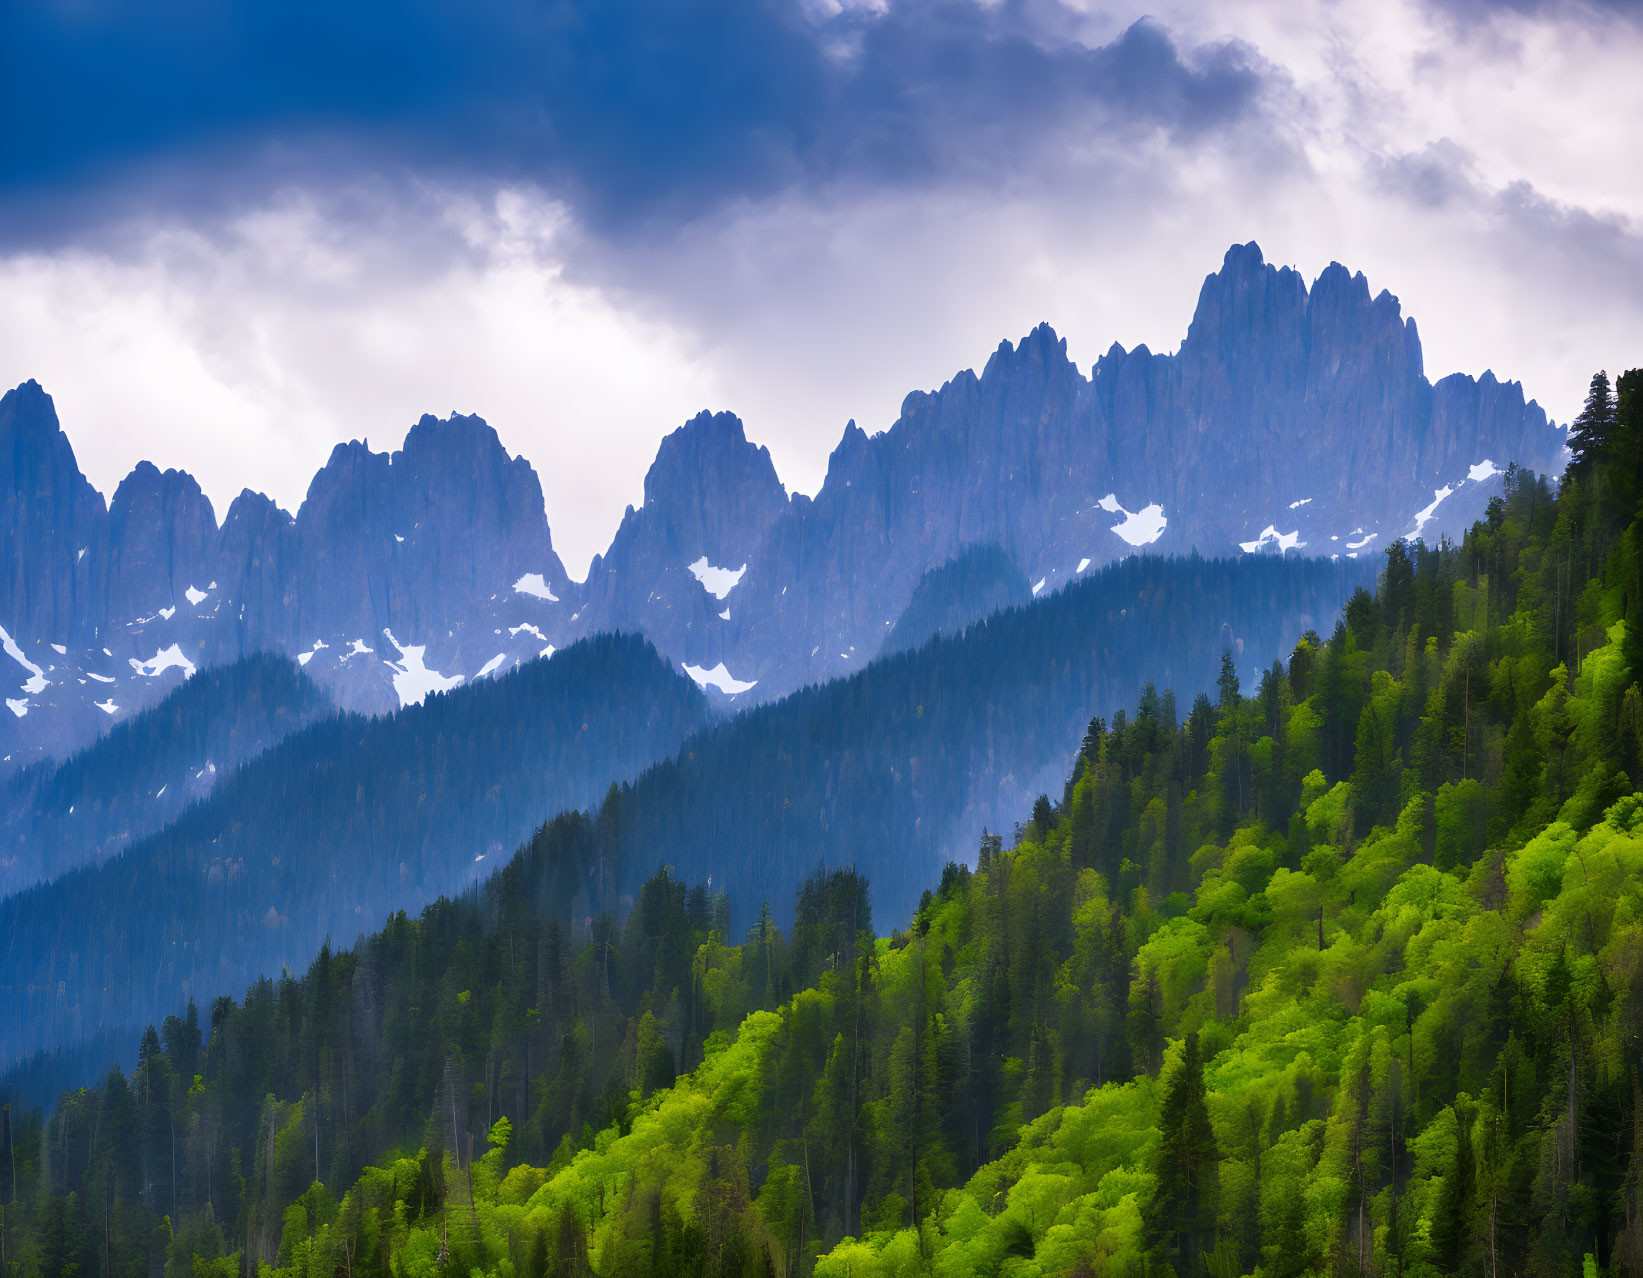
(140, 777)
(1336, 970)
(325, 834)
(339, 825)
(888, 769)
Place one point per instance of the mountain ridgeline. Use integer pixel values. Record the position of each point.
(895, 769)
(1335, 972)
(900, 768)
(149, 768)
(976, 583)
(1290, 420)
(327, 833)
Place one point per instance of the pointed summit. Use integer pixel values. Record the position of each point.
(1246, 307)
(53, 524)
(1041, 351)
(709, 492)
(162, 536)
(710, 460)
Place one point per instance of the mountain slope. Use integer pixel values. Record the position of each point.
(346, 821)
(1290, 420)
(981, 581)
(325, 835)
(1340, 974)
(900, 767)
(149, 768)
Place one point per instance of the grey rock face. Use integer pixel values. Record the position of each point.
(710, 498)
(53, 526)
(1291, 421)
(162, 537)
(113, 607)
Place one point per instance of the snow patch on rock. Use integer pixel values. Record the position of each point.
(1284, 541)
(107, 707)
(718, 582)
(1485, 469)
(1423, 517)
(533, 583)
(165, 659)
(195, 596)
(37, 681)
(1139, 527)
(491, 665)
(413, 679)
(718, 677)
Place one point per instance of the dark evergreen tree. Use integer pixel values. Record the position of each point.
(1591, 434)
(1180, 1218)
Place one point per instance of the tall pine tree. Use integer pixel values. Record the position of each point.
(1180, 1220)
(1591, 436)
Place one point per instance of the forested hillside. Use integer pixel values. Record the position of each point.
(327, 834)
(138, 778)
(1340, 971)
(352, 819)
(972, 585)
(900, 767)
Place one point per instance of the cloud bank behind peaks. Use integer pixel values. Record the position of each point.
(631, 110)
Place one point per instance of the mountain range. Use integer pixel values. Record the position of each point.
(352, 818)
(1290, 420)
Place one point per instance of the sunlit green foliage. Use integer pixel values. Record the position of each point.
(1344, 975)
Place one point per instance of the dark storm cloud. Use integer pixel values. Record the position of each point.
(1570, 10)
(633, 110)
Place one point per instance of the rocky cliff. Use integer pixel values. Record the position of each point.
(1290, 421)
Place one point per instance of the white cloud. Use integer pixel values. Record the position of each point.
(1478, 174)
(243, 355)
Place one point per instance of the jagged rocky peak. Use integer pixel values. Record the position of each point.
(1025, 379)
(450, 485)
(712, 488)
(469, 501)
(162, 541)
(409, 541)
(1247, 310)
(255, 552)
(462, 456)
(53, 524)
(349, 488)
(1041, 350)
(1343, 318)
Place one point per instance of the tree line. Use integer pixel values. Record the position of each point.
(1337, 972)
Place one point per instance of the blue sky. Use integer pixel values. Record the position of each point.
(232, 234)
